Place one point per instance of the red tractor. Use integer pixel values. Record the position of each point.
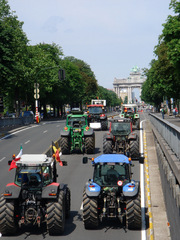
(97, 117)
(121, 138)
(35, 196)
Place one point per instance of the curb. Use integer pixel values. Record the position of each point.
(147, 189)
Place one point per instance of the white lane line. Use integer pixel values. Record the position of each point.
(45, 131)
(27, 142)
(24, 129)
(81, 208)
(143, 231)
(2, 159)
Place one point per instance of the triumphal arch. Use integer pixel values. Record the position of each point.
(135, 80)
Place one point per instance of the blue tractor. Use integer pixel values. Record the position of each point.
(112, 193)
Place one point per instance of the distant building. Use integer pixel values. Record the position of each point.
(124, 87)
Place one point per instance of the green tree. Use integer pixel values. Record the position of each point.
(88, 80)
(13, 43)
(164, 73)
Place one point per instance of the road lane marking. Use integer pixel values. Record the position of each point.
(45, 131)
(24, 129)
(27, 142)
(143, 227)
(2, 159)
(148, 195)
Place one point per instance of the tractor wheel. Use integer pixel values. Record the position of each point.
(90, 212)
(134, 148)
(133, 213)
(104, 125)
(138, 124)
(64, 144)
(90, 144)
(68, 202)
(56, 215)
(8, 223)
(107, 146)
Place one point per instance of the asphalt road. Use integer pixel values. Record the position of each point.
(37, 139)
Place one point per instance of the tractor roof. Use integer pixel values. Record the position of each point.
(95, 105)
(112, 158)
(34, 159)
(77, 112)
(121, 120)
(129, 105)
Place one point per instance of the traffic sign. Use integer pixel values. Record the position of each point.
(36, 85)
(36, 97)
(36, 90)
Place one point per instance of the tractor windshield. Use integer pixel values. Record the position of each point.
(77, 121)
(33, 177)
(95, 110)
(120, 128)
(109, 174)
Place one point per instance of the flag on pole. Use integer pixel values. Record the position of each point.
(57, 154)
(15, 159)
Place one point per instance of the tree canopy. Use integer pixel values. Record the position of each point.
(164, 73)
(23, 65)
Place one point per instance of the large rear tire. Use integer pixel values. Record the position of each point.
(133, 213)
(134, 148)
(104, 124)
(8, 223)
(90, 144)
(138, 124)
(65, 145)
(107, 146)
(90, 212)
(68, 202)
(56, 215)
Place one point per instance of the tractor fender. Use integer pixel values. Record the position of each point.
(51, 188)
(108, 136)
(131, 189)
(12, 191)
(103, 117)
(132, 136)
(92, 189)
(90, 132)
(64, 133)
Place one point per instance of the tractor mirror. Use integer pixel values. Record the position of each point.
(141, 159)
(64, 163)
(9, 162)
(85, 160)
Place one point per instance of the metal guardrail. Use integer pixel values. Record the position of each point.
(169, 132)
(8, 122)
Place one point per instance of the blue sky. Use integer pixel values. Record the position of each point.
(111, 36)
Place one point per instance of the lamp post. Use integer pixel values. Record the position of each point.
(61, 76)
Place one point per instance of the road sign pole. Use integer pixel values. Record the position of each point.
(36, 96)
(36, 105)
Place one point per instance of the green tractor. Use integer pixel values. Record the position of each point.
(130, 111)
(77, 135)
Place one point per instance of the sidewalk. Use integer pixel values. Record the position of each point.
(158, 222)
(172, 119)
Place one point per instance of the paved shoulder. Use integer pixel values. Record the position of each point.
(159, 216)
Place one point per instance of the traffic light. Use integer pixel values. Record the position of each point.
(61, 74)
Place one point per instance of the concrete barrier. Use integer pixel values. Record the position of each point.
(170, 178)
